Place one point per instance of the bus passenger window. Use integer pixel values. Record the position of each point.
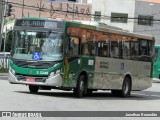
(103, 50)
(114, 49)
(85, 49)
(144, 48)
(134, 50)
(144, 51)
(126, 50)
(88, 48)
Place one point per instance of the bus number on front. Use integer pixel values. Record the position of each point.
(43, 73)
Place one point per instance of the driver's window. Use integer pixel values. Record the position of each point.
(72, 46)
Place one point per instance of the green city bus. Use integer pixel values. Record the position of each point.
(73, 55)
(156, 72)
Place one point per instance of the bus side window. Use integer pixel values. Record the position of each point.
(103, 50)
(134, 50)
(144, 51)
(88, 48)
(72, 47)
(85, 50)
(126, 50)
(114, 49)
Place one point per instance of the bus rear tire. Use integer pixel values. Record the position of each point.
(80, 89)
(126, 87)
(33, 88)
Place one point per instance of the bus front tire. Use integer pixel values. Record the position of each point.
(33, 89)
(80, 89)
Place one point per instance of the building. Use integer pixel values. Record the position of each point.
(139, 16)
(77, 1)
(66, 9)
(47, 8)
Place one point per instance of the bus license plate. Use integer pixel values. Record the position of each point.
(30, 79)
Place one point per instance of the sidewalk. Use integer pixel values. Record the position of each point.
(156, 80)
(3, 74)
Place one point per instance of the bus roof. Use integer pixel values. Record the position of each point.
(109, 29)
(35, 18)
(95, 26)
(123, 32)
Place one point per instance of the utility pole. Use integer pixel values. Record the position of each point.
(1, 17)
(3, 20)
(4, 14)
(4, 42)
(23, 10)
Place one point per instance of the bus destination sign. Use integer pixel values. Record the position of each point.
(40, 23)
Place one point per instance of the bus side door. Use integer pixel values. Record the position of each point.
(71, 62)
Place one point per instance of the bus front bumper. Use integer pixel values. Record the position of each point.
(53, 81)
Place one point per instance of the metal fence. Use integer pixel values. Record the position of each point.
(4, 62)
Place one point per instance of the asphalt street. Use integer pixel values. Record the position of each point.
(18, 98)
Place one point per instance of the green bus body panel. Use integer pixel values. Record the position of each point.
(34, 72)
(74, 68)
(156, 73)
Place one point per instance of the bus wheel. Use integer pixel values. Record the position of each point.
(80, 89)
(33, 88)
(126, 87)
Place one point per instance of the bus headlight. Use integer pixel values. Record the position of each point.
(54, 73)
(12, 71)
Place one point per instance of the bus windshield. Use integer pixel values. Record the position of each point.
(45, 46)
